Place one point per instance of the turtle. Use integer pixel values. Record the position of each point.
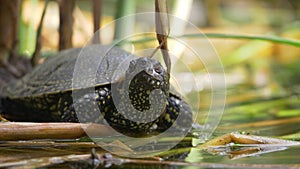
(100, 84)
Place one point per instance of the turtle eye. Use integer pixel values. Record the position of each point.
(158, 69)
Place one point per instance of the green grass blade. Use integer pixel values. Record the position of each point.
(124, 27)
(274, 39)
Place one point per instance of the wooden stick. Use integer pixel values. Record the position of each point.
(162, 26)
(30, 131)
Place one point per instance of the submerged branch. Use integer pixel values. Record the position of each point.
(95, 160)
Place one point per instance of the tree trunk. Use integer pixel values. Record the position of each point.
(9, 16)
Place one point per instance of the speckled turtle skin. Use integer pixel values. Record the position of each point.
(45, 94)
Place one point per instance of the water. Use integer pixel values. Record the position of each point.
(247, 110)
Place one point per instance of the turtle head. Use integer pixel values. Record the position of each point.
(144, 76)
(148, 72)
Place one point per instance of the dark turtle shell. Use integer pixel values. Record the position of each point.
(46, 94)
(56, 75)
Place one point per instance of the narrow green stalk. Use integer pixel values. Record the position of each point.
(27, 33)
(274, 39)
(124, 27)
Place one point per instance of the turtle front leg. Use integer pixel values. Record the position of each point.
(178, 113)
(84, 110)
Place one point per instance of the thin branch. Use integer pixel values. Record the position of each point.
(38, 45)
(163, 29)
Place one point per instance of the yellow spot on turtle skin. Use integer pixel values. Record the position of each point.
(167, 118)
(39, 106)
(59, 101)
(52, 108)
(154, 126)
(148, 91)
(65, 103)
(108, 97)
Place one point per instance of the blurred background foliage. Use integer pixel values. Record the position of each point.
(243, 17)
(262, 77)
